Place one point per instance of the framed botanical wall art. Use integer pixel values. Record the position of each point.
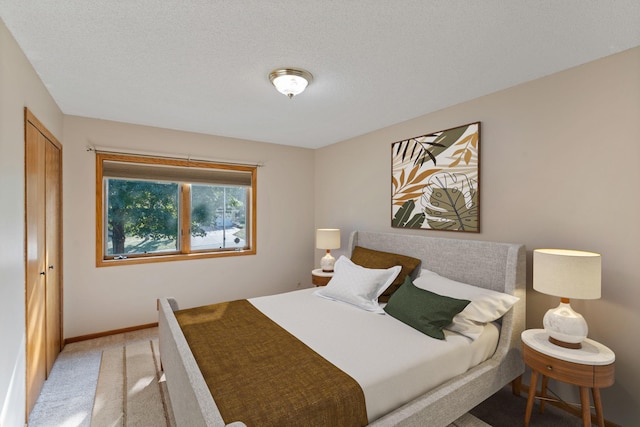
(435, 180)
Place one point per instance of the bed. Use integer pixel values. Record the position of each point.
(493, 266)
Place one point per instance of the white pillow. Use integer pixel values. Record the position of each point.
(486, 305)
(357, 285)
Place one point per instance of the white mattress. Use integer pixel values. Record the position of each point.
(392, 362)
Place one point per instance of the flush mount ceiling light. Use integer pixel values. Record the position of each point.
(290, 81)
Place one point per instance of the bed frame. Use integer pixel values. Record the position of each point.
(497, 266)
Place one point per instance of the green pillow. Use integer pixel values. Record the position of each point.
(423, 310)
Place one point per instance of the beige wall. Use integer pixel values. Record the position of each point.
(559, 161)
(19, 87)
(108, 298)
(559, 168)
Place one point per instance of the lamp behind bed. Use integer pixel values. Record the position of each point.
(327, 238)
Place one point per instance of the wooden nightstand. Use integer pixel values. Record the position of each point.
(320, 278)
(590, 367)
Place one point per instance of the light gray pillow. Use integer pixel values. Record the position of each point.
(357, 285)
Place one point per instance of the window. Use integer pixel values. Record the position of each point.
(157, 209)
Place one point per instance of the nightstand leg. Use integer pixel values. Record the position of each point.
(586, 408)
(533, 383)
(598, 404)
(543, 394)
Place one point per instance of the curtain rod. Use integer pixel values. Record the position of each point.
(186, 157)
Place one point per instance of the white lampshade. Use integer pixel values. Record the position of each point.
(327, 238)
(566, 274)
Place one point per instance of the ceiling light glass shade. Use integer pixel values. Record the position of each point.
(290, 81)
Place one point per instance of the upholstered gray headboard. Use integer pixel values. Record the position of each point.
(492, 265)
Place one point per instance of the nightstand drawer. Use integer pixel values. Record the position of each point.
(320, 278)
(574, 373)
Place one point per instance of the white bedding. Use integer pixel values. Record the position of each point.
(392, 362)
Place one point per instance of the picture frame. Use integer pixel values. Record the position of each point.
(435, 180)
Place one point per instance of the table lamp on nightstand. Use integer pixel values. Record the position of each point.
(566, 274)
(327, 238)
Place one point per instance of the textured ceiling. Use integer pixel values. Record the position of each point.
(203, 65)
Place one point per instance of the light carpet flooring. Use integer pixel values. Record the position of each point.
(67, 398)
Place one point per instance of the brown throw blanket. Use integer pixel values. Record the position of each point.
(260, 374)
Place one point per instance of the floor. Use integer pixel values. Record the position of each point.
(67, 397)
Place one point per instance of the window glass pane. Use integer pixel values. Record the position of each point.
(218, 217)
(141, 217)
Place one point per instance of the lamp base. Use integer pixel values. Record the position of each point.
(565, 327)
(327, 262)
(565, 344)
